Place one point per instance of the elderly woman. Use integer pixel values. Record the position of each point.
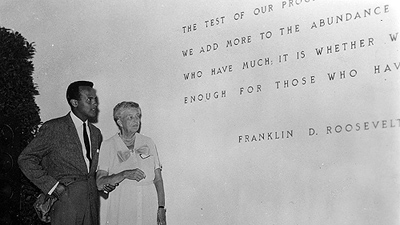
(130, 160)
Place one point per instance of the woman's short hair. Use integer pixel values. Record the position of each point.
(120, 107)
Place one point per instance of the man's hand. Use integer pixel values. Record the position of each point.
(60, 189)
(109, 187)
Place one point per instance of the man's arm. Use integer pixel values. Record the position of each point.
(30, 160)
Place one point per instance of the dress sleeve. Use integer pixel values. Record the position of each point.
(154, 152)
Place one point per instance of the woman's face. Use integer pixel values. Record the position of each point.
(130, 120)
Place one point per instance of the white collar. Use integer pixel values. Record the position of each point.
(77, 122)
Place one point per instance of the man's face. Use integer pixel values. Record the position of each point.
(130, 120)
(86, 106)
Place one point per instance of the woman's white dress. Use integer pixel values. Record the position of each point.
(131, 202)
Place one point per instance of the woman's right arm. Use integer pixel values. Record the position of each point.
(103, 179)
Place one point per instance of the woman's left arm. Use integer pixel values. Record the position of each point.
(159, 183)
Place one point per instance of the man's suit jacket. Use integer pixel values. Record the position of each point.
(55, 154)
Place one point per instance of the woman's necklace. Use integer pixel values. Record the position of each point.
(129, 142)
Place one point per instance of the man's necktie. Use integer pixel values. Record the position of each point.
(87, 144)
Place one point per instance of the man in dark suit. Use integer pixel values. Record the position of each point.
(62, 159)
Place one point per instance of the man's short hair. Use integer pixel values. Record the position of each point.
(73, 91)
